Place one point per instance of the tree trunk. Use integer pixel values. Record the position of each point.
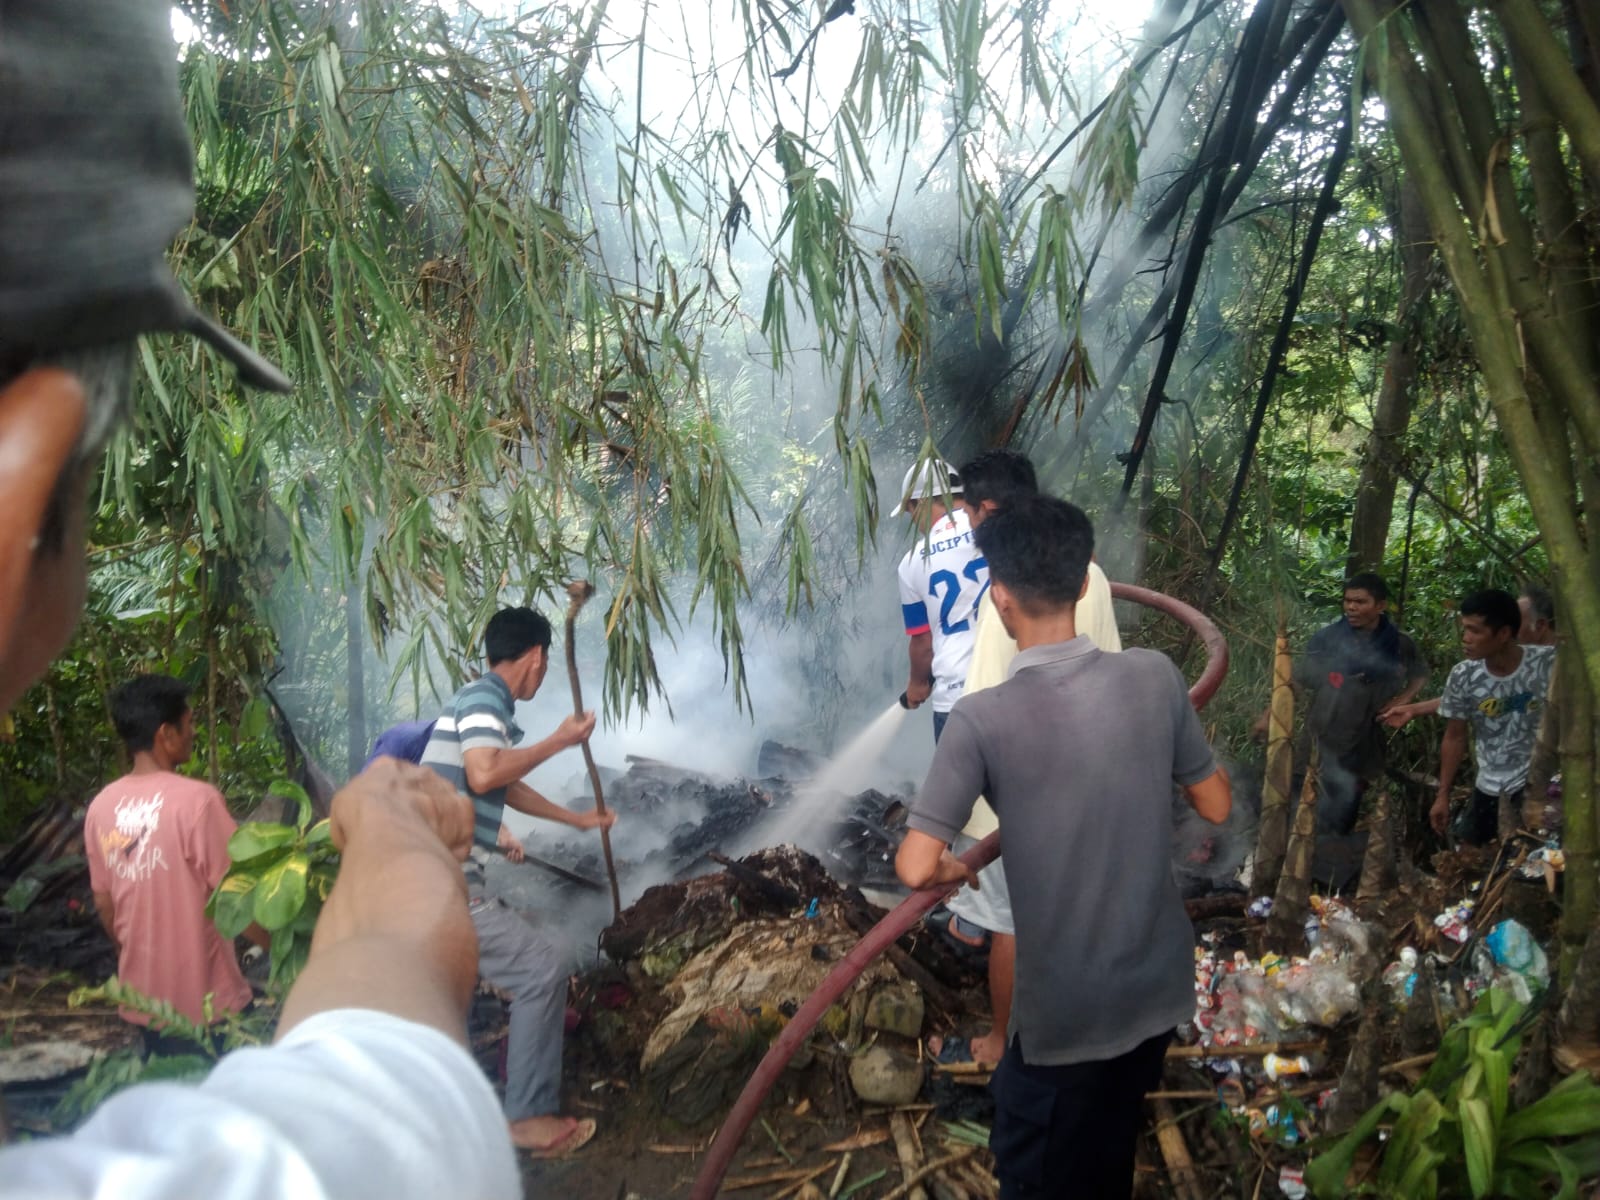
(1578, 837)
(1369, 526)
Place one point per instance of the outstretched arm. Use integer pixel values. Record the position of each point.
(525, 800)
(395, 934)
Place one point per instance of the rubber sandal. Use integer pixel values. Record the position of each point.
(572, 1141)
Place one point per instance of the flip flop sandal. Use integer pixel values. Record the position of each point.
(572, 1141)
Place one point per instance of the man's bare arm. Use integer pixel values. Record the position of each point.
(924, 861)
(395, 934)
(489, 767)
(1212, 797)
(919, 682)
(525, 800)
(1397, 712)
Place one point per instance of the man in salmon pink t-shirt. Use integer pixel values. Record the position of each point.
(157, 844)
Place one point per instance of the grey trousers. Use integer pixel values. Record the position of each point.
(531, 963)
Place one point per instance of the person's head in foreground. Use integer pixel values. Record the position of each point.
(517, 644)
(95, 180)
(153, 717)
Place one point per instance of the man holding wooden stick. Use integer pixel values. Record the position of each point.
(1078, 752)
(474, 746)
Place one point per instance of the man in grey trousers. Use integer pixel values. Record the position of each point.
(474, 746)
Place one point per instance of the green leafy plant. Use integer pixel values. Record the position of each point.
(215, 1036)
(111, 1073)
(281, 875)
(1456, 1133)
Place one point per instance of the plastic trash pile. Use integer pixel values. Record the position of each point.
(1507, 956)
(1244, 1002)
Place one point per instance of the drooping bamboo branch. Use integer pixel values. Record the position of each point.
(1280, 344)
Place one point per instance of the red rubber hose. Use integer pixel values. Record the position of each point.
(910, 910)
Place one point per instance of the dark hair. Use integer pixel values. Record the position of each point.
(1369, 582)
(140, 707)
(1497, 608)
(999, 475)
(1541, 603)
(512, 632)
(1039, 548)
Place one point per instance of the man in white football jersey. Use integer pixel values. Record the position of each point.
(942, 577)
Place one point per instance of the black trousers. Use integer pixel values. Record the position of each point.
(1070, 1131)
(1479, 821)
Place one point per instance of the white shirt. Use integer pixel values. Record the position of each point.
(942, 577)
(351, 1104)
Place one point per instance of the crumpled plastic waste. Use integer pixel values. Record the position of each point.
(1510, 957)
(1545, 863)
(1455, 923)
(1292, 1182)
(1400, 977)
(1260, 908)
(1243, 1002)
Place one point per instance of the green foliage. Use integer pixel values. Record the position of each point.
(280, 876)
(1456, 1134)
(112, 1073)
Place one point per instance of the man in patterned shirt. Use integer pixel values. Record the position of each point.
(474, 746)
(1500, 692)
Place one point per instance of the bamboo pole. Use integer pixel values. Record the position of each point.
(579, 590)
(1272, 835)
(905, 1148)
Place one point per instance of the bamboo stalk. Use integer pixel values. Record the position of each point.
(839, 1176)
(1257, 1051)
(938, 1164)
(796, 1176)
(1175, 1153)
(905, 1148)
(579, 590)
(799, 1184)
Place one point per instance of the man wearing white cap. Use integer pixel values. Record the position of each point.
(942, 577)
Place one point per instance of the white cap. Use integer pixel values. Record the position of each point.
(932, 480)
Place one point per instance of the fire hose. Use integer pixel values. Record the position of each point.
(911, 910)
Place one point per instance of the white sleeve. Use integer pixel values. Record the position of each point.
(351, 1104)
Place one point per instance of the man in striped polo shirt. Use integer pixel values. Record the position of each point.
(474, 746)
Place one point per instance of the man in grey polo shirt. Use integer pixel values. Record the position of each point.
(474, 746)
(1078, 752)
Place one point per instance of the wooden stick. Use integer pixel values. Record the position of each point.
(579, 591)
(797, 1176)
(1259, 1051)
(938, 1164)
(905, 1148)
(838, 1179)
(1175, 1153)
(1400, 1066)
(800, 1184)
